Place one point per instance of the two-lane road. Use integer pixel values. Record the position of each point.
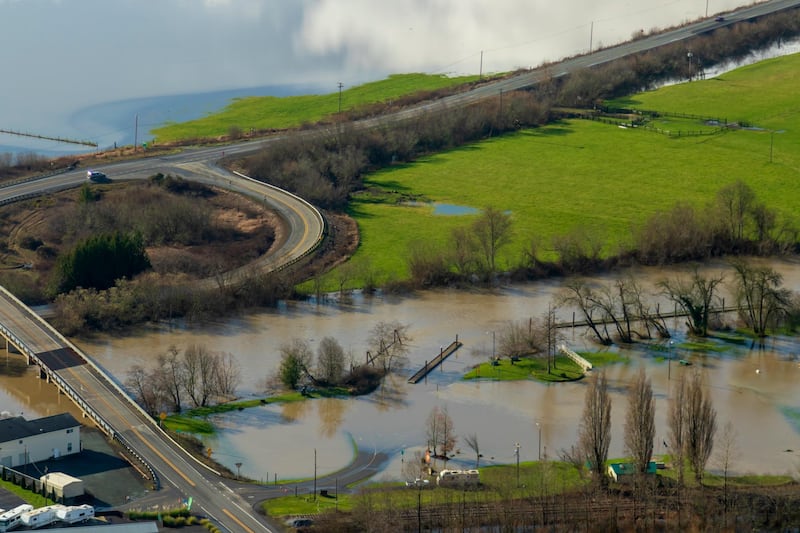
(174, 466)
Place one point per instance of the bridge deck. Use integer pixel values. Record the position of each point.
(430, 365)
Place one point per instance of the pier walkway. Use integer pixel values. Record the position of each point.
(430, 365)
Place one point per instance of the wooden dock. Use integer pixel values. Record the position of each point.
(430, 365)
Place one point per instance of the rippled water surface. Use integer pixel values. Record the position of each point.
(755, 388)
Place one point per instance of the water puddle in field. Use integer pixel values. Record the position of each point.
(450, 210)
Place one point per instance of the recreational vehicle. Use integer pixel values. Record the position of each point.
(43, 516)
(72, 514)
(13, 517)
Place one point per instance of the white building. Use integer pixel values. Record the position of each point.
(28, 441)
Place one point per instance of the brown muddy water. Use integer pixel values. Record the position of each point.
(756, 389)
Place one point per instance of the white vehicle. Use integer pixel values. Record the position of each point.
(43, 516)
(458, 478)
(72, 514)
(13, 517)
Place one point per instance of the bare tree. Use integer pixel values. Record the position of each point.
(472, 441)
(594, 435)
(199, 364)
(640, 425)
(578, 294)
(614, 308)
(227, 374)
(636, 295)
(517, 338)
(695, 296)
(677, 427)
(735, 202)
(173, 373)
(727, 452)
(492, 231)
(144, 389)
(441, 436)
(464, 251)
(389, 342)
(701, 426)
(330, 361)
(760, 294)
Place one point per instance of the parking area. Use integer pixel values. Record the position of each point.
(108, 479)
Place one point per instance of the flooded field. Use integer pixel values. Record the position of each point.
(756, 388)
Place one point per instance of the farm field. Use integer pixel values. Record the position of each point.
(594, 177)
(271, 112)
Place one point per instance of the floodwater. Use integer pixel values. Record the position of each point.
(753, 388)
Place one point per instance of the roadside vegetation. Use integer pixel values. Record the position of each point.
(635, 196)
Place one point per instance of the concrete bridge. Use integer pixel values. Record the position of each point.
(103, 401)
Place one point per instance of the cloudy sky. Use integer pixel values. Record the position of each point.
(58, 56)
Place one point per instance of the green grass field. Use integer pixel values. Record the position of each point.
(270, 112)
(606, 179)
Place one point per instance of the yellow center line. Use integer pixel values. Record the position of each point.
(233, 517)
(132, 428)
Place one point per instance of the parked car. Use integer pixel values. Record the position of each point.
(419, 483)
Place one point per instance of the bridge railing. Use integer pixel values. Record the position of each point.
(67, 389)
(580, 361)
(317, 215)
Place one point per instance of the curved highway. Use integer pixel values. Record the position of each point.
(84, 382)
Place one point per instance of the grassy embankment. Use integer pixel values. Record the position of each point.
(271, 112)
(196, 420)
(535, 368)
(580, 174)
(499, 483)
(536, 478)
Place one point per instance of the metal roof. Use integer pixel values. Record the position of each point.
(17, 427)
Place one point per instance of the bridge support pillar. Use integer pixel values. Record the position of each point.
(11, 348)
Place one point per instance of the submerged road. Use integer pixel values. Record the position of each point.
(232, 509)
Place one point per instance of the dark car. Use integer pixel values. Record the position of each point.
(97, 177)
(720, 19)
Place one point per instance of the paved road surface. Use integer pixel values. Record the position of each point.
(181, 474)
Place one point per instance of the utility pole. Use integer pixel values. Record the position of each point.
(315, 474)
(480, 70)
(340, 96)
(591, 34)
(135, 132)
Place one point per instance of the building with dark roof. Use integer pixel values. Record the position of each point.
(28, 441)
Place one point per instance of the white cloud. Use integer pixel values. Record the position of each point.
(449, 35)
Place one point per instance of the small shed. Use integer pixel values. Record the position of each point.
(63, 487)
(623, 472)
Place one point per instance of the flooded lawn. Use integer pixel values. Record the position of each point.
(755, 388)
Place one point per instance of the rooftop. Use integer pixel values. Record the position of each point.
(17, 427)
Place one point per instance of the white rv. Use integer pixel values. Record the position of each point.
(43, 516)
(13, 517)
(72, 514)
(458, 478)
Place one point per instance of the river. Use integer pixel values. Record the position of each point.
(754, 388)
